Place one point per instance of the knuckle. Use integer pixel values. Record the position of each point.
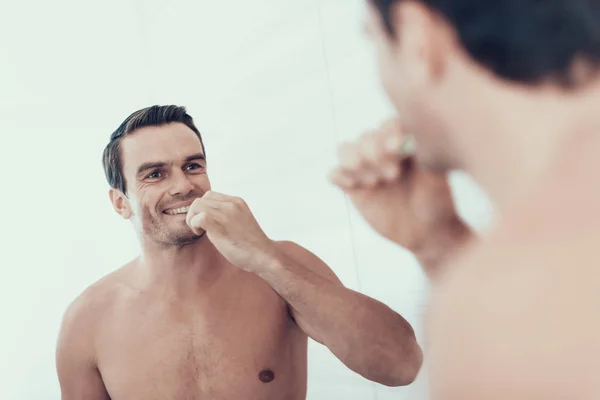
(238, 201)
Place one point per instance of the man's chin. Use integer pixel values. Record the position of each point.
(182, 236)
(182, 229)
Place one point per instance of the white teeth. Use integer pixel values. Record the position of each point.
(181, 210)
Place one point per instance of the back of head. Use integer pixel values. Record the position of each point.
(150, 116)
(524, 41)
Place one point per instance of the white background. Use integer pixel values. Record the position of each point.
(274, 85)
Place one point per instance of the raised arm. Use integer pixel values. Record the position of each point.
(365, 334)
(78, 375)
(406, 203)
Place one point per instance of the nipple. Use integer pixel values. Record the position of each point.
(266, 376)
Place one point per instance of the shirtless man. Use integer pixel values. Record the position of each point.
(212, 308)
(508, 91)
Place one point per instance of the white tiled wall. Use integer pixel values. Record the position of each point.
(274, 85)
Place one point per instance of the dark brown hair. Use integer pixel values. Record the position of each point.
(524, 41)
(150, 116)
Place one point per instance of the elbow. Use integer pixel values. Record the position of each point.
(402, 370)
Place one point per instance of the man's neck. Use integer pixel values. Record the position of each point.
(182, 271)
(529, 135)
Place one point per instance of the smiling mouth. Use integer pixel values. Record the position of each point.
(177, 211)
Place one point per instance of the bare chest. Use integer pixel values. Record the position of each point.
(234, 349)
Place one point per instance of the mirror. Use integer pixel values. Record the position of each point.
(273, 87)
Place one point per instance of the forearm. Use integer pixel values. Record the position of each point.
(441, 247)
(366, 335)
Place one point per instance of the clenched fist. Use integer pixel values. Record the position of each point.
(233, 230)
(402, 201)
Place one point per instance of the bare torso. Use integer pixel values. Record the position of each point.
(236, 342)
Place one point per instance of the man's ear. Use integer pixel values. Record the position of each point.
(120, 203)
(423, 37)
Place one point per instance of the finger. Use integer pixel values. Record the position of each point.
(397, 141)
(355, 165)
(347, 181)
(397, 146)
(225, 200)
(342, 179)
(370, 146)
(200, 222)
(393, 142)
(381, 163)
(408, 146)
(390, 170)
(201, 205)
(207, 220)
(216, 196)
(349, 156)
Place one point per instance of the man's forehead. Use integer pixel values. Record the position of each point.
(167, 143)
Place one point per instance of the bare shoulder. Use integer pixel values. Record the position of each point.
(527, 303)
(86, 311)
(76, 353)
(101, 293)
(307, 259)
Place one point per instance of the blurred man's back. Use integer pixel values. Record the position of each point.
(508, 91)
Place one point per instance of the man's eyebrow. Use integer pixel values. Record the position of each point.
(149, 165)
(197, 156)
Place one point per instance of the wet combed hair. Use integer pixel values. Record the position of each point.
(525, 41)
(150, 116)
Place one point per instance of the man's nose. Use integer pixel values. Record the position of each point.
(180, 184)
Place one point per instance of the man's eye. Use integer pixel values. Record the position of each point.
(193, 166)
(154, 175)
